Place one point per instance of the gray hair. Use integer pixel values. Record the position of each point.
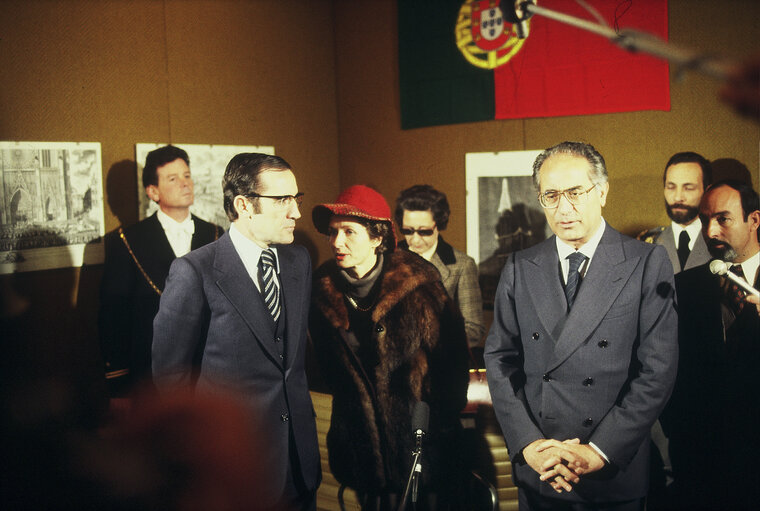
(598, 173)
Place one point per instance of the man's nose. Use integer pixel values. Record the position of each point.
(564, 205)
(712, 229)
(294, 211)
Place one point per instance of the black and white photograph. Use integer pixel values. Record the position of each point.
(207, 164)
(503, 213)
(51, 205)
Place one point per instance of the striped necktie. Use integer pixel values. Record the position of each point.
(269, 290)
(573, 277)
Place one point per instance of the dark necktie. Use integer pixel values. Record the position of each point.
(734, 293)
(683, 248)
(573, 277)
(269, 290)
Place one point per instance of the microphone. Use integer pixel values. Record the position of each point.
(719, 267)
(517, 13)
(420, 418)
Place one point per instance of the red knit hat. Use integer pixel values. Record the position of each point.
(357, 200)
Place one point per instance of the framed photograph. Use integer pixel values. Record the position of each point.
(503, 213)
(207, 164)
(51, 205)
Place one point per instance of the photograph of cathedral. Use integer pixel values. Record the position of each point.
(51, 205)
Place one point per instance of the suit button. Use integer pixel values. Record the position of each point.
(281, 357)
(588, 381)
(603, 343)
(535, 336)
(379, 328)
(547, 377)
(278, 339)
(588, 422)
(284, 417)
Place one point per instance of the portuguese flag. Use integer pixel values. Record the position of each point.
(461, 61)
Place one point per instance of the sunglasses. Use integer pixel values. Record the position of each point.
(422, 232)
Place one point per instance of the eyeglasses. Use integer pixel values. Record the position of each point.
(574, 196)
(280, 201)
(424, 232)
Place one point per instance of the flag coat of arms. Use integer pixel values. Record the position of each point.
(462, 61)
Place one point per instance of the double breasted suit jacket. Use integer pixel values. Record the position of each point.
(128, 302)
(600, 373)
(211, 311)
(698, 255)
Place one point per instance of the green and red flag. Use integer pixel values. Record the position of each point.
(461, 61)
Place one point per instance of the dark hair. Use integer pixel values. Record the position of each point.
(598, 172)
(379, 229)
(423, 198)
(749, 198)
(158, 158)
(690, 157)
(241, 177)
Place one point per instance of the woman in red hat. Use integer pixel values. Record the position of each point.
(387, 336)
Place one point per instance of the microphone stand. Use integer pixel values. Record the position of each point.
(412, 484)
(634, 41)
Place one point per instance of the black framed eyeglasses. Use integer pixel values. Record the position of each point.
(424, 232)
(280, 201)
(575, 196)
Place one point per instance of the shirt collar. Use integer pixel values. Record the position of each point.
(171, 225)
(694, 230)
(749, 267)
(587, 249)
(249, 251)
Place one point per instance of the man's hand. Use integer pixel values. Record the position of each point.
(568, 459)
(538, 458)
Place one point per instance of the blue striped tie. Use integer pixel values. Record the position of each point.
(573, 277)
(269, 289)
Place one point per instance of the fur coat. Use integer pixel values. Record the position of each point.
(418, 334)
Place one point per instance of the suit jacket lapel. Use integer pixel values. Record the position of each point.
(292, 292)
(606, 276)
(235, 283)
(547, 294)
(698, 255)
(666, 240)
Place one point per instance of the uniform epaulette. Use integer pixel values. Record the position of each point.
(650, 235)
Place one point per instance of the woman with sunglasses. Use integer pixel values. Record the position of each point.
(422, 212)
(387, 336)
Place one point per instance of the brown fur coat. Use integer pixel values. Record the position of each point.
(421, 349)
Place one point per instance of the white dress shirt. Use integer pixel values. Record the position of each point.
(694, 230)
(250, 253)
(179, 234)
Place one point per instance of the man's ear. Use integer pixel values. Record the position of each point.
(242, 205)
(753, 219)
(604, 189)
(152, 192)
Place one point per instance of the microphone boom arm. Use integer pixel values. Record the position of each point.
(638, 41)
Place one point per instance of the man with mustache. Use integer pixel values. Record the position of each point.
(686, 176)
(713, 414)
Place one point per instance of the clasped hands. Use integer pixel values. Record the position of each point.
(562, 463)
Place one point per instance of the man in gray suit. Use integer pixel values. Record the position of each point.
(233, 316)
(582, 354)
(685, 179)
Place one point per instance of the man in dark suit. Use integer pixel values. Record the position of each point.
(137, 260)
(582, 353)
(240, 305)
(686, 176)
(713, 415)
